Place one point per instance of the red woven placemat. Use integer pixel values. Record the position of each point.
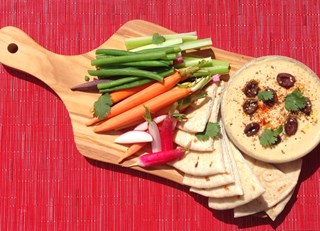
(45, 184)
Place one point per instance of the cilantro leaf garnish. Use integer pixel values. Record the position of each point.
(295, 101)
(265, 95)
(179, 116)
(270, 136)
(157, 39)
(211, 131)
(102, 106)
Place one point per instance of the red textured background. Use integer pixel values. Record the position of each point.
(45, 184)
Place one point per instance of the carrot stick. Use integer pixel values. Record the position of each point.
(133, 149)
(134, 114)
(142, 96)
(119, 95)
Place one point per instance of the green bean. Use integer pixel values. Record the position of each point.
(127, 85)
(145, 64)
(125, 72)
(113, 52)
(166, 72)
(171, 56)
(117, 82)
(129, 58)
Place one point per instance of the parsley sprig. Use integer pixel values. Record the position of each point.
(102, 106)
(211, 131)
(295, 101)
(157, 38)
(269, 136)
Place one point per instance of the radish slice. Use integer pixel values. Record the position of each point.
(166, 133)
(157, 158)
(133, 137)
(144, 126)
(156, 139)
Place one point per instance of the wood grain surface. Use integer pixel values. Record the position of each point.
(60, 72)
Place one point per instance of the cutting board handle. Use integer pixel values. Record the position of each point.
(19, 51)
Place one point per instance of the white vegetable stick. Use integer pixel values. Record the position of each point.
(144, 125)
(131, 137)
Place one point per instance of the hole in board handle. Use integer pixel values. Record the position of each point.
(13, 48)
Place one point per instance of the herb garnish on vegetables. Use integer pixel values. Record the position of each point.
(102, 106)
(157, 39)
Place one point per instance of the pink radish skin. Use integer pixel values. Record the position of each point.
(158, 158)
(216, 78)
(178, 60)
(131, 137)
(166, 133)
(156, 139)
(144, 126)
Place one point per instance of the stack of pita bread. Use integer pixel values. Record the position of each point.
(218, 170)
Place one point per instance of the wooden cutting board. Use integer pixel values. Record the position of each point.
(19, 51)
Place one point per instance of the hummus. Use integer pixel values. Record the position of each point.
(264, 71)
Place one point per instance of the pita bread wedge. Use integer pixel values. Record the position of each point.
(216, 104)
(202, 163)
(278, 185)
(199, 112)
(278, 208)
(233, 189)
(186, 139)
(212, 181)
(250, 185)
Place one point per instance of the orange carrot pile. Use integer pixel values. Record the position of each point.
(136, 113)
(142, 96)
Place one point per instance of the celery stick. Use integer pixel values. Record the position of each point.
(196, 44)
(217, 62)
(167, 43)
(204, 71)
(190, 61)
(135, 42)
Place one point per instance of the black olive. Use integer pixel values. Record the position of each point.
(307, 109)
(251, 129)
(274, 99)
(286, 80)
(291, 126)
(250, 106)
(278, 140)
(251, 88)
